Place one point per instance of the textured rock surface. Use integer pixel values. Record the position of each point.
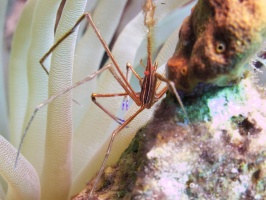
(221, 154)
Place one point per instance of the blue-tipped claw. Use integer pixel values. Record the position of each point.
(125, 104)
(121, 121)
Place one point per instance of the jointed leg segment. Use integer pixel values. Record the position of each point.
(115, 132)
(72, 30)
(93, 98)
(173, 89)
(52, 98)
(125, 103)
(125, 94)
(125, 83)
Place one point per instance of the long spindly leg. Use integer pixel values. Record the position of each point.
(72, 30)
(159, 82)
(161, 92)
(129, 66)
(126, 95)
(127, 87)
(125, 103)
(173, 89)
(114, 134)
(52, 98)
(94, 96)
(132, 94)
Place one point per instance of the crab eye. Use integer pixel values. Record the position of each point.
(220, 47)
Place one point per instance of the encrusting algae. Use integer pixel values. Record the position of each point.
(221, 153)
